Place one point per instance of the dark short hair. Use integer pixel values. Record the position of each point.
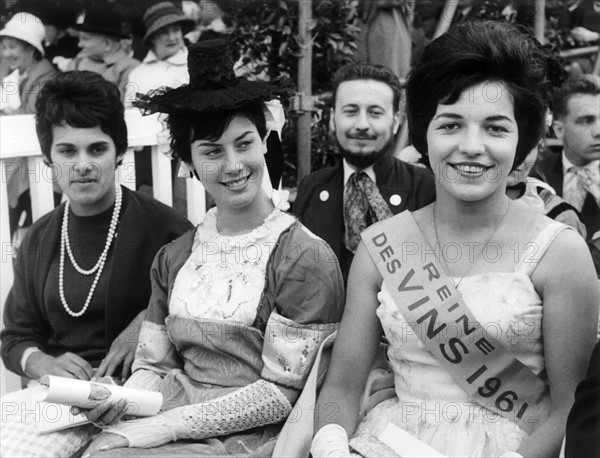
(80, 99)
(475, 52)
(363, 71)
(187, 127)
(580, 84)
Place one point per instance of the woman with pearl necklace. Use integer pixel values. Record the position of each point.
(82, 272)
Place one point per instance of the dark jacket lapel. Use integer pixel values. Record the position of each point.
(328, 210)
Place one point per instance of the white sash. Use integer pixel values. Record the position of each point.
(436, 312)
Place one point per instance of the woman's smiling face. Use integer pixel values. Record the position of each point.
(167, 41)
(18, 54)
(472, 143)
(231, 167)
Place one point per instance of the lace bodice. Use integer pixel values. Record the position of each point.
(225, 275)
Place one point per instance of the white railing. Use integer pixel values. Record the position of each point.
(18, 140)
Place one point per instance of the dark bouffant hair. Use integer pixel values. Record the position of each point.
(187, 127)
(580, 84)
(80, 99)
(475, 52)
(364, 71)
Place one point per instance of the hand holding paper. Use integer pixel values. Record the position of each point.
(104, 403)
(106, 413)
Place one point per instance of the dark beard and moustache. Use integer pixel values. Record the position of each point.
(363, 160)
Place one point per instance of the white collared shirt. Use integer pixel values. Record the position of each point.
(573, 193)
(349, 170)
(154, 72)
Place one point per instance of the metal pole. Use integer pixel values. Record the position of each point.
(446, 20)
(304, 87)
(596, 70)
(539, 24)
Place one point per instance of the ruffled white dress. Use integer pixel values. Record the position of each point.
(430, 405)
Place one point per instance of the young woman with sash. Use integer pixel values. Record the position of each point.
(242, 303)
(490, 309)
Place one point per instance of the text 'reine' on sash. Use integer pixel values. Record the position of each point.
(434, 309)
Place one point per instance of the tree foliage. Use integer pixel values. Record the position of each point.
(267, 38)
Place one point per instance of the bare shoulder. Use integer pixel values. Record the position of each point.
(566, 262)
(565, 279)
(566, 247)
(364, 277)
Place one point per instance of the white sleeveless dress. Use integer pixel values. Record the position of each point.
(430, 405)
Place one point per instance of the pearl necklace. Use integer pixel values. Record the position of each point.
(99, 267)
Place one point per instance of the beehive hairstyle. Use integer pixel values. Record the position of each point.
(473, 53)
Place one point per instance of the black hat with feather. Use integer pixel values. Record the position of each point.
(214, 88)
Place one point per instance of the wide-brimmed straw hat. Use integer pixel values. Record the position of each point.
(26, 27)
(103, 19)
(213, 85)
(164, 14)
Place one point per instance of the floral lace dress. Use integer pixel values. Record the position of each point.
(205, 341)
(430, 405)
(224, 276)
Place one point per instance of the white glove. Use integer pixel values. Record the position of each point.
(258, 404)
(330, 441)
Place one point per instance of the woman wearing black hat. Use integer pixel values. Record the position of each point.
(102, 37)
(240, 304)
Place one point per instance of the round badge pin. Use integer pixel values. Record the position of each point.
(395, 200)
(324, 196)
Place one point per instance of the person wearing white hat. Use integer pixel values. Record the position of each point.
(22, 48)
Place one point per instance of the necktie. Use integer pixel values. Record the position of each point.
(585, 178)
(363, 205)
